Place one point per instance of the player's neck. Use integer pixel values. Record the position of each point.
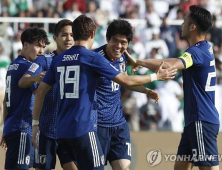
(83, 43)
(24, 54)
(195, 39)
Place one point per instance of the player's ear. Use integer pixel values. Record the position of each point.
(92, 35)
(25, 46)
(54, 38)
(193, 27)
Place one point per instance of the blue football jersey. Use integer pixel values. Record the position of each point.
(48, 117)
(199, 84)
(107, 100)
(76, 71)
(19, 101)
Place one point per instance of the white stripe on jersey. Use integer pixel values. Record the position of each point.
(22, 147)
(96, 159)
(200, 141)
(101, 52)
(36, 150)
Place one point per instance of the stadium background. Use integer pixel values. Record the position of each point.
(156, 25)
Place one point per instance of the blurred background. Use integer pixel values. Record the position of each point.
(157, 27)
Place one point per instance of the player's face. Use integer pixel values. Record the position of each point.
(185, 27)
(116, 45)
(64, 40)
(33, 50)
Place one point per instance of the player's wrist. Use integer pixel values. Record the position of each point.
(35, 122)
(153, 77)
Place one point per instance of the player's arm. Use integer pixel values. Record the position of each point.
(153, 64)
(39, 99)
(27, 80)
(161, 74)
(141, 89)
(5, 112)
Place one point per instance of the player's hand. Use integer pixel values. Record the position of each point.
(133, 63)
(35, 130)
(39, 77)
(153, 95)
(165, 74)
(3, 143)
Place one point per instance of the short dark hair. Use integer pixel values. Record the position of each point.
(120, 26)
(62, 23)
(33, 34)
(82, 27)
(201, 17)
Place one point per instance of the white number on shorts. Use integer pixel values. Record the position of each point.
(210, 75)
(8, 89)
(74, 80)
(129, 148)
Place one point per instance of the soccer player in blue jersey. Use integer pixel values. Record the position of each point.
(76, 71)
(198, 145)
(45, 156)
(113, 131)
(18, 102)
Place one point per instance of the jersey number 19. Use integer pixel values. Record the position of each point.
(65, 79)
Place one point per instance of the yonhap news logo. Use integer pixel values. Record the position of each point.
(154, 157)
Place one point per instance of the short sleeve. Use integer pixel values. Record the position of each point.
(103, 67)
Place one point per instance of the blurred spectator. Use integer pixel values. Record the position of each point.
(151, 15)
(91, 9)
(22, 25)
(157, 42)
(80, 4)
(146, 33)
(170, 94)
(16, 45)
(216, 33)
(4, 63)
(73, 12)
(149, 115)
(130, 109)
(168, 34)
(187, 4)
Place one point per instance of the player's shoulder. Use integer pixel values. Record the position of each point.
(50, 54)
(100, 50)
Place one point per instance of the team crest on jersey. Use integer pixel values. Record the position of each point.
(121, 59)
(102, 160)
(122, 67)
(42, 159)
(27, 160)
(33, 67)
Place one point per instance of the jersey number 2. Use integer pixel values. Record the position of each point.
(65, 79)
(208, 87)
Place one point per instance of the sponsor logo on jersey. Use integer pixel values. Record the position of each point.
(121, 59)
(33, 67)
